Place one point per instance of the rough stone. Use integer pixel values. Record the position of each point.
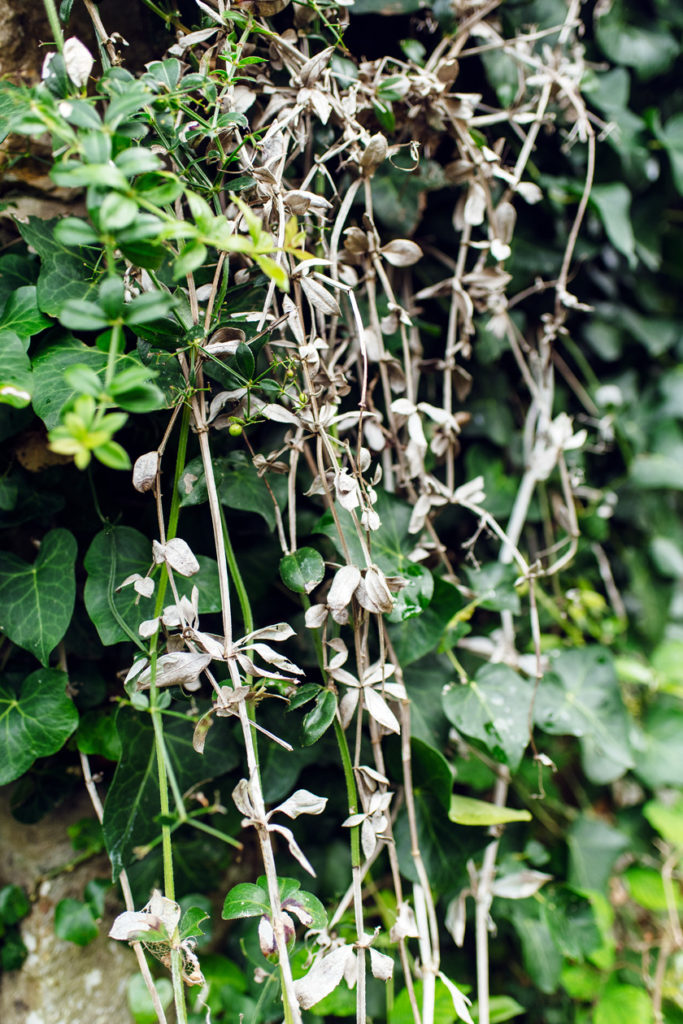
(59, 983)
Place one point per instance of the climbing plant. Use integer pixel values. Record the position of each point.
(318, 410)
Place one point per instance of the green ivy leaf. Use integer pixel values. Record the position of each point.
(75, 922)
(239, 486)
(140, 1002)
(132, 806)
(14, 904)
(465, 810)
(22, 315)
(115, 554)
(245, 900)
(624, 1002)
(34, 723)
(317, 721)
(16, 383)
(65, 273)
(581, 696)
(613, 205)
(303, 570)
(494, 708)
(36, 601)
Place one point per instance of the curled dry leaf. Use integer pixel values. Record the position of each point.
(343, 587)
(225, 342)
(321, 300)
(323, 977)
(401, 252)
(177, 668)
(145, 471)
(301, 802)
(177, 555)
(374, 155)
(78, 60)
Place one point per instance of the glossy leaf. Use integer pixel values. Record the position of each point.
(317, 721)
(132, 805)
(22, 315)
(35, 721)
(580, 696)
(37, 600)
(114, 555)
(303, 570)
(16, 382)
(75, 922)
(465, 810)
(494, 708)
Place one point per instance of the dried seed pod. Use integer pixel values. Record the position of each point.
(145, 471)
(356, 241)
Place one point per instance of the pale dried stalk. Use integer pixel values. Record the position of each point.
(126, 890)
(292, 1010)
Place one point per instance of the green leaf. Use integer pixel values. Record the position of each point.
(83, 315)
(52, 384)
(657, 747)
(75, 922)
(646, 887)
(132, 806)
(16, 381)
(74, 174)
(494, 586)
(97, 735)
(191, 920)
(648, 46)
(22, 315)
(431, 771)
(14, 904)
(493, 708)
(140, 1002)
(96, 891)
(245, 900)
(192, 256)
(624, 1003)
(239, 486)
(667, 819)
(36, 601)
(148, 307)
(671, 137)
(317, 721)
(418, 635)
(581, 696)
(613, 205)
(312, 904)
(594, 846)
(117, 212)
(501, 1008)
(570, 920)
(35, 723)
(465, 810)
(115, 554)
(303, 570)
(65, 273)
(542, 958)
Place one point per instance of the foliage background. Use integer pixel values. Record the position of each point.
(602, 939)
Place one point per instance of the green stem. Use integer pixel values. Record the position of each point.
(211, 831)
(163, 763)
(237, 579)
(178, 990)
(55, 26)
(351, 793)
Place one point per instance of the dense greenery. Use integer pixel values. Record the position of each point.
(380, 306)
